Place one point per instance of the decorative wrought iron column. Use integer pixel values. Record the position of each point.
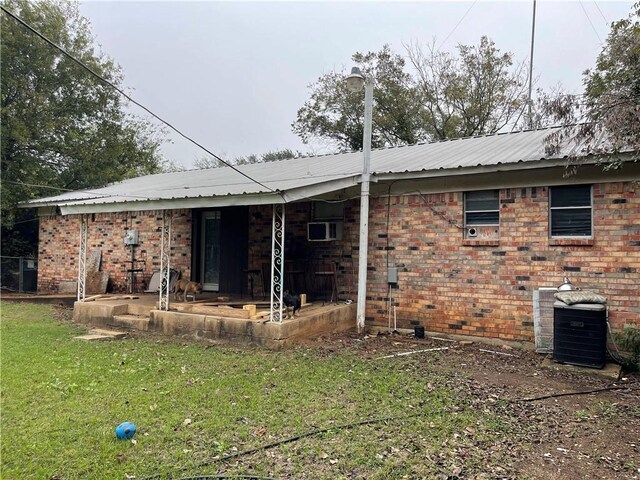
(277, 262)
(165, 257)
(82, 258)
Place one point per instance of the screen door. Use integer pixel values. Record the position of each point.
(210, 266)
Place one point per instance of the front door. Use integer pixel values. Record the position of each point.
(210, 264)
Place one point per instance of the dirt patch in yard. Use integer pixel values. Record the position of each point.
(594, 435)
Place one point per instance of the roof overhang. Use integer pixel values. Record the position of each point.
(293, 195)
(171, 204)
(479, 169)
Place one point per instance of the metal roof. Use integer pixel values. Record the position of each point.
(295, 178)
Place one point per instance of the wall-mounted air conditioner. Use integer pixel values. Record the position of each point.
(324, 231)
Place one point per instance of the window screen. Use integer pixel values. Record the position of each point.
(482, 208)
(570, 211)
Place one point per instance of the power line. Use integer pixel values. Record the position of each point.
(457, 25)
(533, 35)
(61, 49)
(51, 187)
(601, 14)
(98, 195)
(590, 22)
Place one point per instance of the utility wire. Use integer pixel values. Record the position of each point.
(582, 392)
(108, 195)
(590, 22)
(51, 187)
(311, 433)
(601, 14)
(457, 25)
(128, 97)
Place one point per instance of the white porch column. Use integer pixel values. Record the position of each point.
(277, 262)
(82, 259)
(165, 258)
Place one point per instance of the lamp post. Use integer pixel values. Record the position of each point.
(355, 82)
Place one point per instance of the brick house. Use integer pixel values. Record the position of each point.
(471, 226)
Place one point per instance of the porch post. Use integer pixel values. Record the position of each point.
(165, 257)
(82, 259)
(277, 262)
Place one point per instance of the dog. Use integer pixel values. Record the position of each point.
(187, 287)
(291, 301)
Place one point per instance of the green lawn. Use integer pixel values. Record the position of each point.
(62, 399)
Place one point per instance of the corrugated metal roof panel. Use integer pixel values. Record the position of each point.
(280, 176)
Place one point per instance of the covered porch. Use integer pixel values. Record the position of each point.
(250, 252)
(236, 238)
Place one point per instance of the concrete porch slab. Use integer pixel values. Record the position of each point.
(610, 370)
(312, 321)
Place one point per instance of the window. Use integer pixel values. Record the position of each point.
(481, 208)
(328, 211)
(570, 211)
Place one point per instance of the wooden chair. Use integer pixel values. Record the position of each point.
(295, 277)
(326, 274)
(251, 276)
(266, 280)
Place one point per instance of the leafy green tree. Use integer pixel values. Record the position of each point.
(610, 105)
(60, 126)
(335, 114)
(209, 162)
(478, 92)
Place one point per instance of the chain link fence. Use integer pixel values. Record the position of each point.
(18, 274)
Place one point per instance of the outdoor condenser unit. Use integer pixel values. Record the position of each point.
(580, 334)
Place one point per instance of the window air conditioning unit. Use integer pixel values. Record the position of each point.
(324, 231)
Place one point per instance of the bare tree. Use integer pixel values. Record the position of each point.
(480, 91)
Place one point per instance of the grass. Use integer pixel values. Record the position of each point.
(62, 399)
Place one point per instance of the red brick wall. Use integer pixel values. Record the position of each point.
(59, 243)
(446, 283)
(485, 288)
(308, 255)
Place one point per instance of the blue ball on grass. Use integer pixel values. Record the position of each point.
(125, 430)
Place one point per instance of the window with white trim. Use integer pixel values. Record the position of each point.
(482, 215)
(570, 211)
(481, 208)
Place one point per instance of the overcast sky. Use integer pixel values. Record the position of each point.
(233, 74)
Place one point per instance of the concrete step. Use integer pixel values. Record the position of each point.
(112, 333)
(101, 334)
(136, 322)
(93, 337)
(135, 309)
